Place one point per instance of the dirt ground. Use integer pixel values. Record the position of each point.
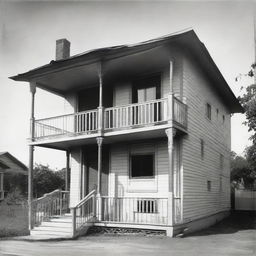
(234, 236)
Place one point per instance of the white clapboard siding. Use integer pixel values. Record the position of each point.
(119, 165)
(198, 202)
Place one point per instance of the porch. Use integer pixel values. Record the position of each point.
(132, 212)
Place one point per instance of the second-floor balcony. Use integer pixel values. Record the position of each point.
(119, 118)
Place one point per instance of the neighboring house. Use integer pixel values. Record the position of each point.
(11, 169)
(148, 125)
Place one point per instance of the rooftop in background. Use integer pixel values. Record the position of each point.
(9, 163)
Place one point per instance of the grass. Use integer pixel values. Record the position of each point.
(13, 220)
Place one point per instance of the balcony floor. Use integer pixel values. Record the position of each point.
(64, 142)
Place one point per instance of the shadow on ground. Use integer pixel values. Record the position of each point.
(237, 221)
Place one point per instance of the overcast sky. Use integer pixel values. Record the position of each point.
(28, 31)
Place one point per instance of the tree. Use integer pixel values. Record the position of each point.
(46, 180)
(240, 171)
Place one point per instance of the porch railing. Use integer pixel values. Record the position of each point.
(51, 204)
(76, 123)
(135, 210)
(83, 213)
(114, 118)
(180, 112)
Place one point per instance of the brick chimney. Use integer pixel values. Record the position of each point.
(62, 49)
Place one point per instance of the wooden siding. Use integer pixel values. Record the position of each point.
(91, 167)
(119, 169)
(198, 201)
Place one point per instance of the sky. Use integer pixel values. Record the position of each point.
(29, 30)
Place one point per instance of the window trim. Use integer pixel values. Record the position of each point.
(202, 148)
(209, 185)
(208, 111)
(142, 177)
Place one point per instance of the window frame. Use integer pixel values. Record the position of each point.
(209, 185)
(142, 154)
(202, 148)
(208, 111)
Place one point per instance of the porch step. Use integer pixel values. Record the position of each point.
(57, 227)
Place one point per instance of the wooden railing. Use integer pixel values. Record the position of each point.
(83, 213)
(150, 112)
(114, 118)
(135, 210)
(54, 203)
(180, 112)
(81, 122)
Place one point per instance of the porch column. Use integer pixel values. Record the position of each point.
(170, 96)
(170, 134)
(67, 173)
(31, 155)
(100, 107)
(99, 204)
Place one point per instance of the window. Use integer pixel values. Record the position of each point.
(223, 119)
(208, 111)
(146, 89)
(220, 184)
(221, 161)
(217, 113)
(202, 148)
(147, 206)
(209, 185)
(142, 166)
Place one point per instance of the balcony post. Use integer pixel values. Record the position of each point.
(170, 95)
(31, 156)
(170, 135)
(100, 107)
(99, 210)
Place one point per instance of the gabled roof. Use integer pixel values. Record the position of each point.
(9, 163)
(187, 40)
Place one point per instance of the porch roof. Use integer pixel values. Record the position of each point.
(187, 40)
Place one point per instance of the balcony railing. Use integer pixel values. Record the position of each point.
(114, 118)
(77, 123)
(138, 114)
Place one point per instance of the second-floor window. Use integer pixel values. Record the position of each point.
(146, 89)
(208, 111)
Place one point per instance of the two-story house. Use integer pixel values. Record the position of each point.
(146, 129)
